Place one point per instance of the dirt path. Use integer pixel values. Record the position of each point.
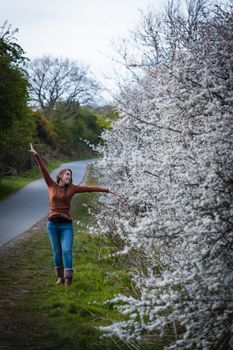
(16, 281)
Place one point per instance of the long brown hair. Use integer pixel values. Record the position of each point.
(61, 172)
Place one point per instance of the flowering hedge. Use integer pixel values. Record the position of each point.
(170, 158)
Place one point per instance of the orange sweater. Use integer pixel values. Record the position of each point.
(59, 196)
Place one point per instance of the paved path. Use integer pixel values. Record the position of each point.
(22, 209)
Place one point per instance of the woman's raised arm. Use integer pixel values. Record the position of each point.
(49, 181)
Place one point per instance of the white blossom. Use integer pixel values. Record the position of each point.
(170, 158)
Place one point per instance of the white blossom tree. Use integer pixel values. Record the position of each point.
(170, 158)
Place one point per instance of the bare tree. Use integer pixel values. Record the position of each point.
(54, 80)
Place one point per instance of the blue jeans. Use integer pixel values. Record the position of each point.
(61, 239)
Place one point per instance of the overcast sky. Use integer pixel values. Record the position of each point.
(79, 29)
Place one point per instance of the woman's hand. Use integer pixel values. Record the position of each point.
(112, 192)
(32, 150)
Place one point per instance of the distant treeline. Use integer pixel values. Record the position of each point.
(48, 101)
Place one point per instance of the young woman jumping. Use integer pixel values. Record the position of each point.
(59, 226)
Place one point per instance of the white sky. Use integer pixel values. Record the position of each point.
(79, 29)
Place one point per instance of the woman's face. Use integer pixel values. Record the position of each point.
(66, 177)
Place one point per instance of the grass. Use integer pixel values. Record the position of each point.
(37, 314)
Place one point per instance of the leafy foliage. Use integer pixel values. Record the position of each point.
(13, 82)
(16, 122)
(73, 134)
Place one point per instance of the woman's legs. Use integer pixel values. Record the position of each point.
(67, 243)
(66, 237)
(61, 239)
(54, 237)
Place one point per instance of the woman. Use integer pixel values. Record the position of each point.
(59, 226)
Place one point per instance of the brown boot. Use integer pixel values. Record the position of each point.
(61, 280)
(60, 274)
(68, 274)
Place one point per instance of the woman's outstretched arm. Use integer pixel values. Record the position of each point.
(80, 188)
(41, 165)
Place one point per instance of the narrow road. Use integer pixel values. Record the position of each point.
(21, 210)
